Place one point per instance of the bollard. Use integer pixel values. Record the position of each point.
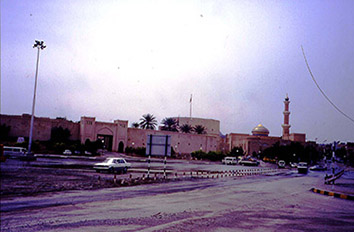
(99, 180)
(143, 178)
(155, 176)
(115, 179)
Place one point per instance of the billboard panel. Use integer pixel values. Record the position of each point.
(158, 145)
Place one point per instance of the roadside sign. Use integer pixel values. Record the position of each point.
(158, 145)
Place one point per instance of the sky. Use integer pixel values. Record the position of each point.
(122, 59)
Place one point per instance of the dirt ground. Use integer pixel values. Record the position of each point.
(275, 202)
(20, 178)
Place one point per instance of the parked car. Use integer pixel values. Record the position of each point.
(302, 167)
(293, 165)
(14, 152)
(229, 160)
(112, 165)
(281, 164)
(19, 153)
(318, 168)
(67, 152)
(249, 162)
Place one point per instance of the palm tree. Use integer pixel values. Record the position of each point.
(185, 128)
(199, 129)
(169, 124)
(135, 125)
(148, 121)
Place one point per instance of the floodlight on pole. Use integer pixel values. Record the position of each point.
(40, 46)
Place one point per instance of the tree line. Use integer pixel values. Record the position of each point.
(148, 121)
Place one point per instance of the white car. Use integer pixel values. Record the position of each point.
(67, 152)
(229, 160)
(249, 162)
(293, 165)
(302, 167)
(281, 164)
(113, 165)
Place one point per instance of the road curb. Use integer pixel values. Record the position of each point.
(337, 195)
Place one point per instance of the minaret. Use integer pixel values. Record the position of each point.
(286, 125)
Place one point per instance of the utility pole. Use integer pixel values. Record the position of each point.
(40, 46)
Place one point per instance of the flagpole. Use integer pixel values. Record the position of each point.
(190, 110)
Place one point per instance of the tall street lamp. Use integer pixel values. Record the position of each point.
(40, 46)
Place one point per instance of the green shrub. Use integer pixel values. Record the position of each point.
(211, 155)
(140, 151)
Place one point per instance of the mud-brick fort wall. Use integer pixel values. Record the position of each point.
(20, 126)
(180, 142)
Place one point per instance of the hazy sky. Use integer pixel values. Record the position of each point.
(239, 59)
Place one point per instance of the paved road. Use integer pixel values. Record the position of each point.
(268, 203)
(141, 163)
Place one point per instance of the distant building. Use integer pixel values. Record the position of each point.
(260, 139)
(116, 135)
(212, 126)
(20, 126)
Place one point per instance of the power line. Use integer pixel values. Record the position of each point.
(323, 93)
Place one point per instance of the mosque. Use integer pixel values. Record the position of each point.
(259, 139)
(117, 135)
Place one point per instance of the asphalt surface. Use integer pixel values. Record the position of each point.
(278, 202)
(61, 193)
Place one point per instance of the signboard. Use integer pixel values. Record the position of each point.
(158, 145)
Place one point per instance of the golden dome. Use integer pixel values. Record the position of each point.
(260, 130)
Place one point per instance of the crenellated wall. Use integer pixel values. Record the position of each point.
(42, 126)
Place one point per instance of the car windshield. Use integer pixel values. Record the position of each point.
(107, 161)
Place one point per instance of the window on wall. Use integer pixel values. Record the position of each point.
(88, 122)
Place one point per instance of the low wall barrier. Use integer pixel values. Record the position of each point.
(143, 178)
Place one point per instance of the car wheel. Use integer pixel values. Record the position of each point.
(110, 170)
(98, 171)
